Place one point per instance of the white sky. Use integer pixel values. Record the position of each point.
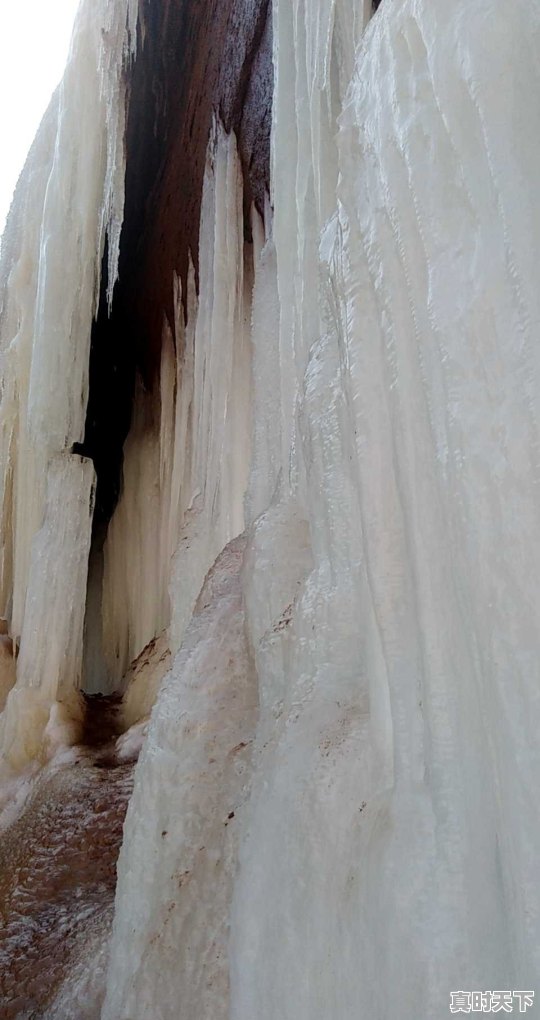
(34, 42)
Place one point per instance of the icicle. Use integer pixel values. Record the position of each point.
(266, 419)
(186, 459)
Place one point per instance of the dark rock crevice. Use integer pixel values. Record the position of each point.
(108, 415)
(195, 60)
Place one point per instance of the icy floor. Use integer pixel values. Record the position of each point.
(57, 881)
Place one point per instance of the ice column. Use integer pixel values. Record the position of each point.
(49, 664)
(70, 196)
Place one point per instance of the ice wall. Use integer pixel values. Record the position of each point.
(69, 197)
(386, 853)
(391, 845)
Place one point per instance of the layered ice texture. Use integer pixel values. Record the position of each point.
(335, 812)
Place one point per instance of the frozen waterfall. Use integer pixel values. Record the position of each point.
(329, 515)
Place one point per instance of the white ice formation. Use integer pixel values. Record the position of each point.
(69, 198)
(335, 812)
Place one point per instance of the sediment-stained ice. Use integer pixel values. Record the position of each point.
(199, 745)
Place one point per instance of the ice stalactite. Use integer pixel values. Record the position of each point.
(69, 199)
(186, 459)
(266, 380)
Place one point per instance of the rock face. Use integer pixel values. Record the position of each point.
(197, 59)
(309, 538)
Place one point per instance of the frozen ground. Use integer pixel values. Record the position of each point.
(57, 881)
